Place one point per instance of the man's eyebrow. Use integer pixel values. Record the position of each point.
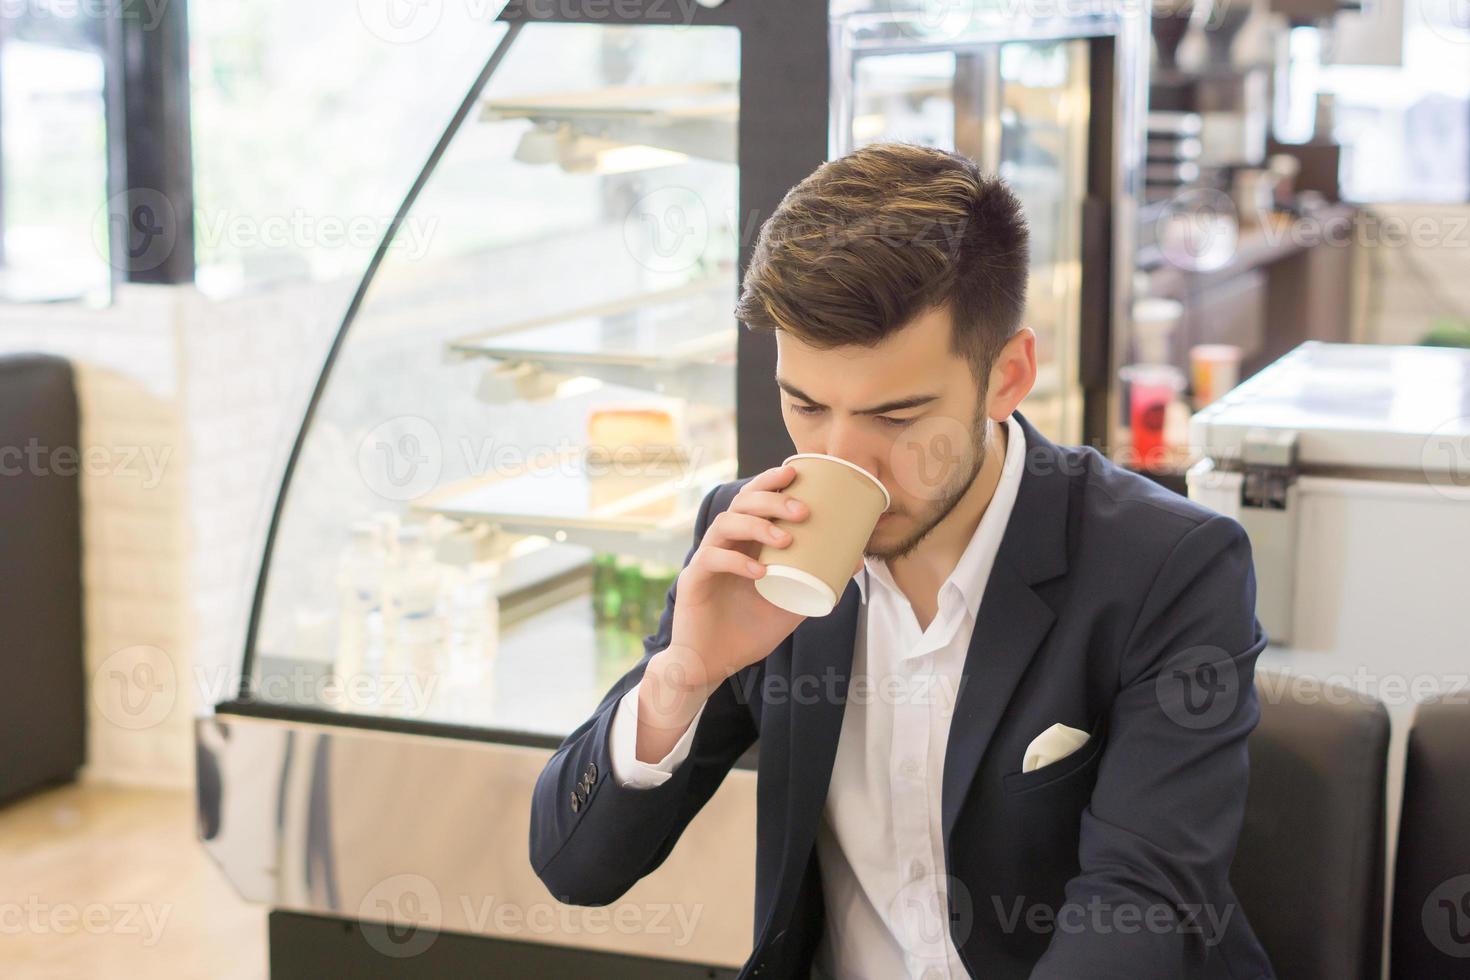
(897, 405)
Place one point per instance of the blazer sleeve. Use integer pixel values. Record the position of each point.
(1152, 897)
(593, 839)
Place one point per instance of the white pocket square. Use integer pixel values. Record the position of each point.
(1056, 743)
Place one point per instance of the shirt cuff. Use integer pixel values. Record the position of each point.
(623, 747)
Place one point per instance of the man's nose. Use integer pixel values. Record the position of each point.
(848, 441)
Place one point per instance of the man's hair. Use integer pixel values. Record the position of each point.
(874, 239)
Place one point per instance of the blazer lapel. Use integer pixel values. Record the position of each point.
(821, 665)
(1012, 619)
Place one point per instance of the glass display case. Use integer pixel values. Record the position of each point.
(536, 383)
(536, 390)
(496, 481)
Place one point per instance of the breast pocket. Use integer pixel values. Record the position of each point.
(1075, 768)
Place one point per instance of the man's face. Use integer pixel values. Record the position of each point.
(909, 411)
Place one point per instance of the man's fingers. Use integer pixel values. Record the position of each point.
(711, 561)
(729, 528)
(772, 479)
(766, 503)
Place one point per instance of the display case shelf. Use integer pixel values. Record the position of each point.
(583, 130)
(649, 514)
(678, 341)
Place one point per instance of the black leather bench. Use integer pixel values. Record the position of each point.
(42, 673)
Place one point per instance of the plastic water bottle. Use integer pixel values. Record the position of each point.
(471, 605)
(414, 598)
(361, 574)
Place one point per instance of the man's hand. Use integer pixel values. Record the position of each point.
(721, 623)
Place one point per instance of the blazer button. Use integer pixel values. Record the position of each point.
(591, 773)
(576, 803)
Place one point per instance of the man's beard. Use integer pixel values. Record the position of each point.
(950, 499)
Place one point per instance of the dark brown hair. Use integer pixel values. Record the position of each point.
(874, 239)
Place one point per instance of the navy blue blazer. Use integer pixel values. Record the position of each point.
(1115, 606)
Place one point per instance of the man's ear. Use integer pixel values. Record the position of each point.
(1013, 374)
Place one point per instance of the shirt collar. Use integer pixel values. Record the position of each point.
(972, 571)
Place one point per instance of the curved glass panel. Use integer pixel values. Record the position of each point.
(498, 483)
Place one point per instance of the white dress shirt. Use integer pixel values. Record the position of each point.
(880, 845)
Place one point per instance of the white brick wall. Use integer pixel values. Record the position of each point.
(189, 407)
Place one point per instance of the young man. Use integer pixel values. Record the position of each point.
(1046, 774)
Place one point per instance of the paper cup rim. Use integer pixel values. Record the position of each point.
(791, 573)
(887, 499)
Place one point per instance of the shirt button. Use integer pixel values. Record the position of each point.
(910, 767)
(932, 974)
(916, 870)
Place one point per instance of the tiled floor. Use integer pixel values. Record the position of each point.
(99, 883)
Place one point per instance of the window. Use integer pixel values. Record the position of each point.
(53, 154)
